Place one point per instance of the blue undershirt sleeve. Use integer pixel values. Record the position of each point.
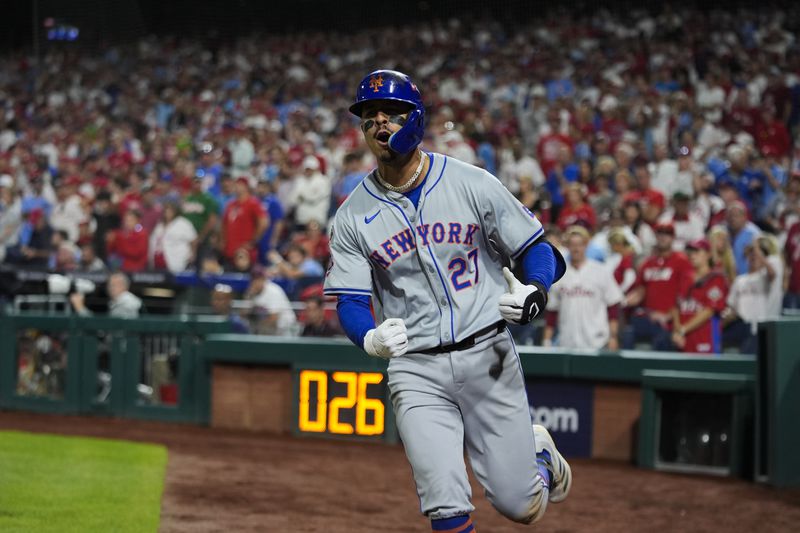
(355, 317)
(539, 264)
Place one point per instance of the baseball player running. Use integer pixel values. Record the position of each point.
(426, 240)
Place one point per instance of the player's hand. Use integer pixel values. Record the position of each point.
(522, 303)
(387, 340)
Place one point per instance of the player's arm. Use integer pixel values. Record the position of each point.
(349, 277)
(387, 340)
(542, 264)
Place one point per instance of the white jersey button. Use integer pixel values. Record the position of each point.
(444, 302)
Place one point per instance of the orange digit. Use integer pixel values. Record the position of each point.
(345, 402)
(321, 379)
(369, 404)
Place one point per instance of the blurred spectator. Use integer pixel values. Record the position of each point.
(121, 302)
(242, 262)
(696, 318)
(742, 233)
(89, 262)
(755, 296)
(275, 216)
(721, 252)
(67, 213)
(584, 304)
(563, 173)
(128, 245)
(151, 211)
(576, 211)
(622, 260)
(314, 242)
(665, 172)
(173, 241)
(106, 220)
(242, 151)
(202, 210)
(222, 305)
(688, 225)
(311, 195)
(243, 223)
(35, 241)
(661, 276)
(517, 165)
(550, 144)
(316, 323)
(39, 195)
(10, 215)
(66, 255)
(296, 265)
(352, 174)
(272, 310)
(632, 218)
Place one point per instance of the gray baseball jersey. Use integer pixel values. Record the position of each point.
(437, 266)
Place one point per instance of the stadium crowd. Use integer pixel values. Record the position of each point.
(660, 150)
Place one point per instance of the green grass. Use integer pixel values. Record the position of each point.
(60, 484)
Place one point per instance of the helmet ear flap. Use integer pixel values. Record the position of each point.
(410, 135)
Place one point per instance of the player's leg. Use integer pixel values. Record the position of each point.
(499, 435)
(430, 426)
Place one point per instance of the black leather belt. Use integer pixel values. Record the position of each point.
(469, 342)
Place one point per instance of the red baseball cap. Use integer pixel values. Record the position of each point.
(665, 227)
(699, 244)
(243, 179)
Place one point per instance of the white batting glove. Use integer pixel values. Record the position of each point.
(522, 303)
(387, 340)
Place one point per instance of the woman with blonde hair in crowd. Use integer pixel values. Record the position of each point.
(721, 252)
(622, 260)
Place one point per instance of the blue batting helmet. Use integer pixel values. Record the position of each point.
(396, 86)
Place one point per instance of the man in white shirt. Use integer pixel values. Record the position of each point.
(311, 195)
(584, 304)
(754, 296)
(68, 213)
(688, 224)
(270, 305)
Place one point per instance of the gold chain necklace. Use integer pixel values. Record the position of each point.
(407, 185)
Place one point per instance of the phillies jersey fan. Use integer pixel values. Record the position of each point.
(701, 302)
(659, 281)
(585, 303)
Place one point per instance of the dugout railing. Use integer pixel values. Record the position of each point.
(143, 368)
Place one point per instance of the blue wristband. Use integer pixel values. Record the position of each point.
(539, 264)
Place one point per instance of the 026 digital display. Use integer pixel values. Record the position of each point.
(341, 403)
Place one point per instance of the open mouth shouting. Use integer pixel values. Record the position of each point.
(383, 138)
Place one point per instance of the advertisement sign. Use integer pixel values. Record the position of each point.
(565, 409)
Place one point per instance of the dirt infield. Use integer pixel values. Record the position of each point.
(233, 481)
